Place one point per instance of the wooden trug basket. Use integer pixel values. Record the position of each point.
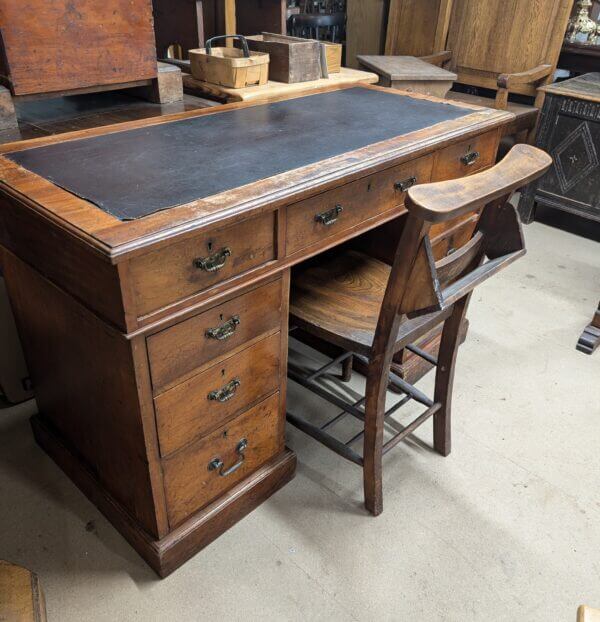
(229, 67)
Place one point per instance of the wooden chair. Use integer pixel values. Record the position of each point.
(372, 310)
(506, 47)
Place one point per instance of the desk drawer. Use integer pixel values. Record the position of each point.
(331, 212)
(207, 400)
(176, 352)
(466, 157)
(192, 481)
(185, 268)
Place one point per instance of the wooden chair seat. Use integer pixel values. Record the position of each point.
(526, 116)
(340, 301)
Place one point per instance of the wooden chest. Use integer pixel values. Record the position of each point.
(59, 45)
(161, 351)
(569, 130)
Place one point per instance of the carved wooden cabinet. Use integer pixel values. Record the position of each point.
(570, 131)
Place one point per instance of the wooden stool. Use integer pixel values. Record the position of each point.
(372, 310)
(21, 597)
(410, 74)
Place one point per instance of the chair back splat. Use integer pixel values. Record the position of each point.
(380, 317)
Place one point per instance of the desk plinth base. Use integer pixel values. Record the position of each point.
(167, 554)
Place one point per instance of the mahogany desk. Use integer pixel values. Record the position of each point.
(148, 264)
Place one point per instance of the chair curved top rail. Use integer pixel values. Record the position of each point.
(445, 200)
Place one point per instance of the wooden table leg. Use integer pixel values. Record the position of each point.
(590, 338)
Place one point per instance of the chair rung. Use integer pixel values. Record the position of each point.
(409, 389)
(397, 405)
(334, 420)
(328, 366)
(354, 438)
(409, 429)
(326, 395)
(424, 355)
(324, 438)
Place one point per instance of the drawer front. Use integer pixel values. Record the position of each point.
(325, 215)
(466, 157)
(207, 400)
(188, 267)
(196, 476)
(176, 352)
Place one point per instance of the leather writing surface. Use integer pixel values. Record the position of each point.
(135, 173)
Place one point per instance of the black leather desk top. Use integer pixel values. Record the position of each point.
(135, 173)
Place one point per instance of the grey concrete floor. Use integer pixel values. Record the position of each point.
(506, 528)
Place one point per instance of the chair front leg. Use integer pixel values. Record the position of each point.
(373, 441)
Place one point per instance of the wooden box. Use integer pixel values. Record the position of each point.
(292, 59)
(228, 67)
(52, 47)
(333, 56)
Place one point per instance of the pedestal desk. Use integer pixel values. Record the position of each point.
(148, 264)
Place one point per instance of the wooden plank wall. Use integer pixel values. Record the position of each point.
(366, 28)
(417, 27)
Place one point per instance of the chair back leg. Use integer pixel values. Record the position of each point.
(444, 378)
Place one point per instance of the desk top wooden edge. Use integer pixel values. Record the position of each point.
(118, 240)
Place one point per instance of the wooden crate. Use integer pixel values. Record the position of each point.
(228, 67)
(333, 56)
(292, 59)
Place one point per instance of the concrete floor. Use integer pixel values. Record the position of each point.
(506, 528)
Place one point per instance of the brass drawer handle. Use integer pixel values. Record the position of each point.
(404, 185)
(330, 216)
(470, 158)
(213, 263)
(220, 333)
(225, 393)
(217, 463)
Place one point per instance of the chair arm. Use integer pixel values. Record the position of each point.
(445, 200)
(439, 58)
(508, 80)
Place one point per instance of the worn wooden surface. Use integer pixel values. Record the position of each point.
(365, 28)
(72, 47)
(21, 596)
(274, 90)
(155, 296)
(178, 352)
(410, 74)
(185, 412)
(417, 27)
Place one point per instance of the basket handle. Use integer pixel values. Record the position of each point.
(208, 44)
